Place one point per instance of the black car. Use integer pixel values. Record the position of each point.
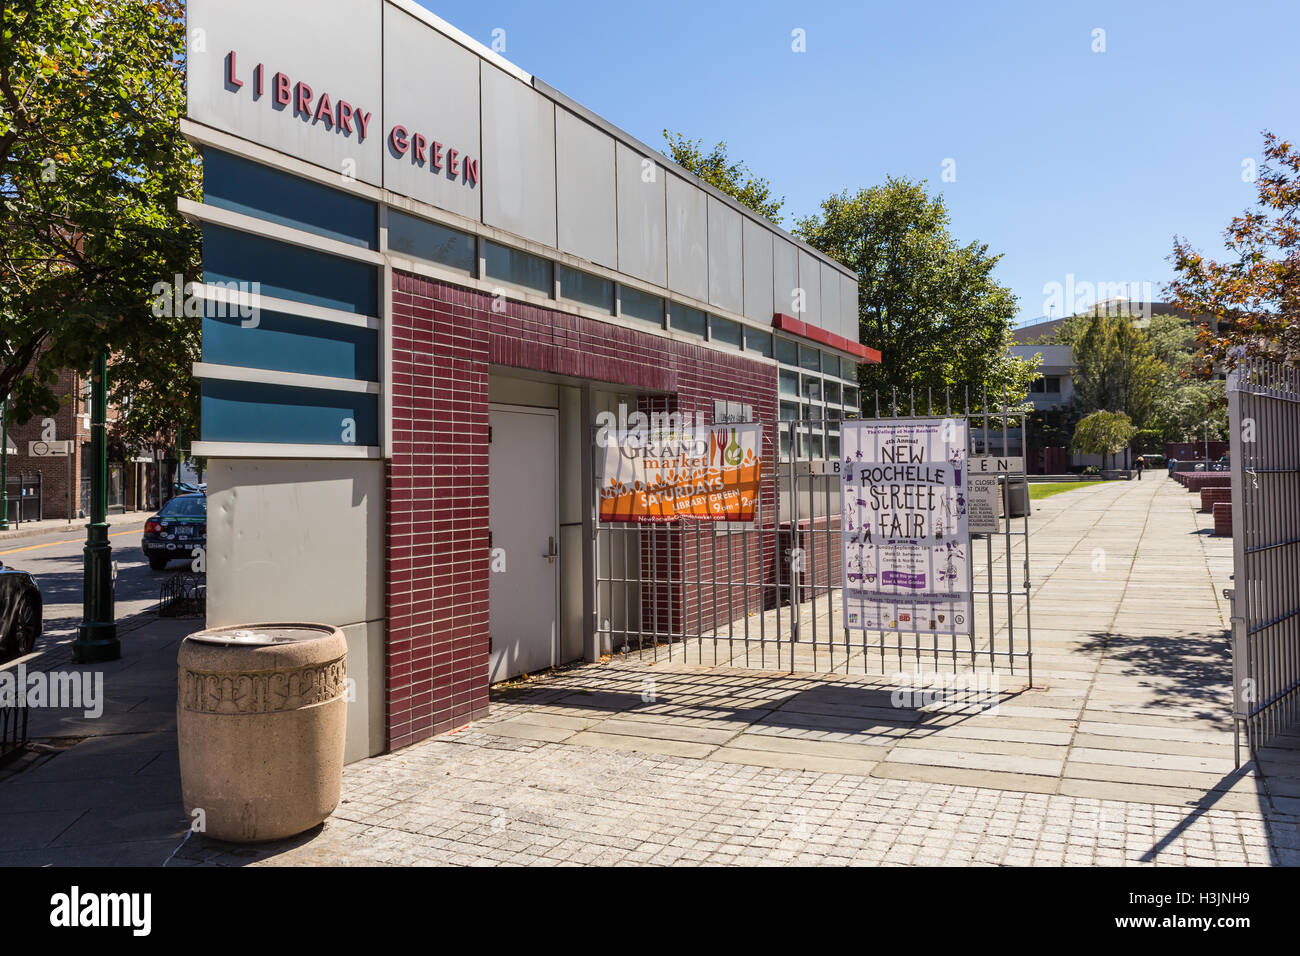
(176, 530)
(21, 608)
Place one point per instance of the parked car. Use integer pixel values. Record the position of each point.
(21, 612)
(176, 530)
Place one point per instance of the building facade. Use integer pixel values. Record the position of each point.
(426, 273)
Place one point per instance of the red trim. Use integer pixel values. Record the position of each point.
(788, 323)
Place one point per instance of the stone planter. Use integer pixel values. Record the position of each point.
(260, 718)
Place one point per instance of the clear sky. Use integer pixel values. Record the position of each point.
(1078, 166)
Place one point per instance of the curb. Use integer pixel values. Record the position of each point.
(77, 525)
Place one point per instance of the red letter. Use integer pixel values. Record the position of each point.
(452, 166)
(257, 82)
(363, 124)
(418, 144)
(303, 104)
(435, 157)
(397, 139)
(231, 79)
(325, 110)
(345, 117)
(281, 90)
(471, 171)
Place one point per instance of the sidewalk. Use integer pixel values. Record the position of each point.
(30, 529)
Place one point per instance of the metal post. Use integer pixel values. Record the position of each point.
(4, 465)
(97, 636)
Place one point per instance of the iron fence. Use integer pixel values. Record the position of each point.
(1264, 420)
(769, 593)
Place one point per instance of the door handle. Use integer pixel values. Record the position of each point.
(551, 551)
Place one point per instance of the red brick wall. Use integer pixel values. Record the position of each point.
(444, 339)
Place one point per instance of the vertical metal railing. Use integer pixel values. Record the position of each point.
(1264, 441)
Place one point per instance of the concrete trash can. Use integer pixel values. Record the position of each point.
(1015, 497)
(260, 718)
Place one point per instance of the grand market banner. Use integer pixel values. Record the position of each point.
(701, 472)
(905, 536)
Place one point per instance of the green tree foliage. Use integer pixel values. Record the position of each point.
(931, 306)
(1116, 367)
(91, 162)
(731, 177)
(1103, 433)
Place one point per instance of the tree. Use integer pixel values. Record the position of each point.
(931, 306)
(718, 170)
(1103, 433)
(91, 162)
(1254, 296)
(1115, 365)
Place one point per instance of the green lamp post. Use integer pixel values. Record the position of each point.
(97, 636)
(4, 465)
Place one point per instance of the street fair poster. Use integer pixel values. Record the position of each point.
(906, 543)
(708, 473)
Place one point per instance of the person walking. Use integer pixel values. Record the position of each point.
(1141, 465)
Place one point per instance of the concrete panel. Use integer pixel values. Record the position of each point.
(342, 61)
(758, 272)
(366, 732)
(688, 238)
(830, 286)
(810, 281)
(518, 157)
(641, 248)
(849, 308)
(584, 159)
(431, 90)
(295, 540)
(726, 262)
(785, 275)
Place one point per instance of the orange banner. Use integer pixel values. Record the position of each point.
(702, 473)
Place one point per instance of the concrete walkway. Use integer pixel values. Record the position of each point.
(1121, 752)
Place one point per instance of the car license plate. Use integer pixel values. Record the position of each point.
(184, 532)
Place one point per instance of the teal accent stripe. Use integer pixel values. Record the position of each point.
(287, 415)
(290, 343)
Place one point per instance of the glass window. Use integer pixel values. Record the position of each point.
(789, 411)
(587, 289)
(851, 398)
(789, 383)
(186, 506)
(686, 319)
(832, 413)
(785, 443)
(760, 342)
(724, 331)
(816, 443)
(830, 364)
(849, 370)
(787, 353)
(810, 359)
(517, 268)
(812, 388)
(833, 443)
(832, 392)
(422, 239)
(641, 305)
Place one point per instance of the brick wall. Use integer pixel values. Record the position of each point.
(444, 339)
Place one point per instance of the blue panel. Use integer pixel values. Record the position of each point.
(289, 343)
(290, 272)
(253, 412)
(255, 190)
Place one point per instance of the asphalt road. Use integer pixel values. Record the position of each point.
(56, 560)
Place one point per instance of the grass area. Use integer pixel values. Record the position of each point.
(1047, 489)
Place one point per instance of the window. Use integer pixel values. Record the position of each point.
(810, 359)
(422, 239)
(586, 289)
(517, 268)
(787, 353)
(641, 305)
(789, 383)
(830, 364)
(789, 411)
(686, 319)
(186, 506)
(812, 388)
(851, 399)
(724, 331)
(760, 342)
(849, 370)
(832, 392)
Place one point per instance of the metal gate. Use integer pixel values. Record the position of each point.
(1264, 422)
(767, 594)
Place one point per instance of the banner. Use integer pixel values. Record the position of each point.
(701, 472)
(906, 543)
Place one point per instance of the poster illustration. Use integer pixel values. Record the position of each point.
(906, 543)
(708, 473)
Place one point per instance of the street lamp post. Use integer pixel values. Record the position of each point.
(4, 465)
(97, 636)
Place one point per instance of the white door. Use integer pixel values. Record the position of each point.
(523, 488)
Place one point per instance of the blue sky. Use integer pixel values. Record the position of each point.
(1078, 166)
